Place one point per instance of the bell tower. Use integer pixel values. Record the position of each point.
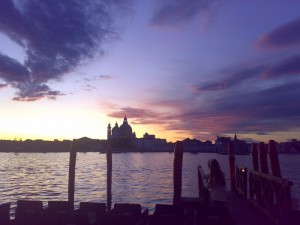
(108, 131)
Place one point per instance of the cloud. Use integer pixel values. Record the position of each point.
(12, 71)
(56, 37)
(3, 85)
(286, 35)
(283, 68)
(105, 77)
(286, 67)
(173, 13)
(88, 82)
(233, 80)
(268, 110)
(32, 92)
(138, 115)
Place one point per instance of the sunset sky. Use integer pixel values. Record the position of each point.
(176, 68)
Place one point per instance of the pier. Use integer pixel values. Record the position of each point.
(255, 197)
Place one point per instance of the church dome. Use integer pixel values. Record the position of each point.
(125, 129)
(115, 130)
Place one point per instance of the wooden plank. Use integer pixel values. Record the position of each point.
(244, 212)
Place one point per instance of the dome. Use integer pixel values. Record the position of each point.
(115, 130)
(125, 129)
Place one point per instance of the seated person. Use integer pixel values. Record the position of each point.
(216, 183)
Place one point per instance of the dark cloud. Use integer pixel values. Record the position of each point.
(176, 12)
(282, 68)
(32, 92)
(12, 71)
(286, 35)
(3, 85)
(286, 67)
(56, 37)
(233, 80)
(138, 115)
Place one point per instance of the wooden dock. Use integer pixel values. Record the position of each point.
(243, 212)
(255, 197)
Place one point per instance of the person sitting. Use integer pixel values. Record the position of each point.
(216, 184)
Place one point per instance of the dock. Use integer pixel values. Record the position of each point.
(255, 197)
(244, 212)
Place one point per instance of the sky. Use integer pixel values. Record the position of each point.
(176, 68)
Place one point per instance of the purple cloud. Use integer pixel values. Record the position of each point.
(257, 111)
(3, 85)
(105, 77)
(32, 92)
(233, 80)
(138, 115)
(286, 67)
(176, 12)
(56, 37)
(286, 35)
(12, 71)
(283, 68)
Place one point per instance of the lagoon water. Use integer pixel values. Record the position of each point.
(145, 178)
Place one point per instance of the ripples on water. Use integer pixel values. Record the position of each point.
(145, 178)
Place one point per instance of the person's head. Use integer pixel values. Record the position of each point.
(214, 166)
(209, 163)
(215, 171)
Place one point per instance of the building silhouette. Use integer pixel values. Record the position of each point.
(122, 132)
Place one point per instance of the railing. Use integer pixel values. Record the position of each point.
(241, 180)
(203, 192)
(272, 195)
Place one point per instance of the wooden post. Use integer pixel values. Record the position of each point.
(109, 174)
(263, 158)
(72, 164)
(232, 166)
(177, 172)
(254, 157)
(274, 161)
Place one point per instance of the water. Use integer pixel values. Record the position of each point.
(144, 178)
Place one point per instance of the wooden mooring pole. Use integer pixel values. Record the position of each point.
(232, 166)
(177, 172)
(274, 161)
(72, 164)
(254, 152)
(263, 154)
(109, 175)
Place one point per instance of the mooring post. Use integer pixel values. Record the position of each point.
(109, 174)
(254, 152)
(177, 172)
(231, 157)
(263, 153)
(274, 161)
(72, 164)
